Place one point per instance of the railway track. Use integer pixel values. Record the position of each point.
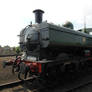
(79, 87)
(81, 84)
(63, 87)
(15, 83)
(10, 55)
(10, 85)
(72, 88)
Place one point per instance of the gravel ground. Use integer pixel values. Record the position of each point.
(5, 73)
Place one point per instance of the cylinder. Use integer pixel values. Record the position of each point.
(38, 15)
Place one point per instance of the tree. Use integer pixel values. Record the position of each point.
(17, 49)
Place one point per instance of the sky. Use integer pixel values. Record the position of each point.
(16, 14)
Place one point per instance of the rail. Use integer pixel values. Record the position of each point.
(78, 87)
(10, 55)
(15, 83)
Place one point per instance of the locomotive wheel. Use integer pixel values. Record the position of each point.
(52, 73)
(70, 67)
(24, 71)
(21, 76)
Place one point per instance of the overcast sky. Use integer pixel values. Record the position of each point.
(16, 14)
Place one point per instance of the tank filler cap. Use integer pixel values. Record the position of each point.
(38, 15)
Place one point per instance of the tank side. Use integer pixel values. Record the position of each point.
(63, 37)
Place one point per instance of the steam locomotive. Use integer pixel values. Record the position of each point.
(47, 47)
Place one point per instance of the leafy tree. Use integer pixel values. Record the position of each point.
(17, 49)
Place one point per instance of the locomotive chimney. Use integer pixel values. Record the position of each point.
(38, 15)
